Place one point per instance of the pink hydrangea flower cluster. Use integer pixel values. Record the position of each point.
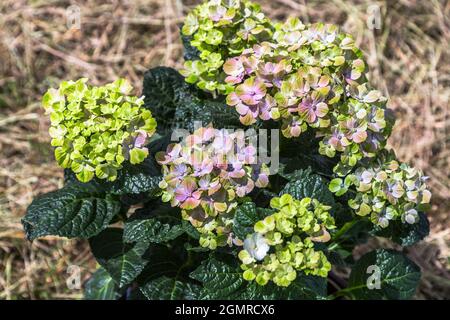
(311, 77)
(206, 174)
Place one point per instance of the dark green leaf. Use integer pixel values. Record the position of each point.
(165, 288)
(309, 157)
(159, 225)
(159, 89)
(303, 184)
(101, 287)
(175, 104)
(171, 260)
(190, 52)
(77, 210)
(205, 112)
(134, 180)
(220, 280)
(398, 276)
(190, 230)
(124, 262)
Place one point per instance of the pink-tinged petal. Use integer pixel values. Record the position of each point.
(208, 168)
(247, 120)
(296, 131)
(208, 134)
(324, 80)
(140, 139)
(233, 67)
(192, 140)
(190, 204)
(237, 165)
(241, 192)
(190, 184)
(359, 136)
(265, 115)
(303, 107)
(334, 142)
(321, 109)
(237, 174)
(233, 80)
(250, 186)
(263, 181)
(250, 99)
(249, 150)
(250, 64)
(242, 109)
(295, 109)
(197, 194)
(310, 116)
(180, 194)
(233, 99)
(213, 189)
(173, 150)
(204, 183)
(249, 160)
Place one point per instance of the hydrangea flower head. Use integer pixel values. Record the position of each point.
(205, 174)
(283, 243)
(387, 190)
(222, 29)
(96, 129)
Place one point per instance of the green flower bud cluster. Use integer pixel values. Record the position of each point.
(387, 190)
(291, 233)
(217, 231)
(220, 29)
(96, 129)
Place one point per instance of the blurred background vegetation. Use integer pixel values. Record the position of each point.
(409, 59)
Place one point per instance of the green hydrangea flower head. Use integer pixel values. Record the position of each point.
(96, 129)
(283, 243)
(386, 190)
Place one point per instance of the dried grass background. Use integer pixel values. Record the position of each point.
(409, 60)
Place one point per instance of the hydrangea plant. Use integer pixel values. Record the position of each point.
(203, 217)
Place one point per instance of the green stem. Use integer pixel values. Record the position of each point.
(341, 232)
